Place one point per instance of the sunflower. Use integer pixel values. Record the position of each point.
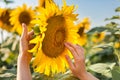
(83, 26)
(97, 37)
(4, 19)
(117, 44)
(56, 27)
(41, 3)
(21, 15)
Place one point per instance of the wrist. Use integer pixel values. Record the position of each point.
(23, 59)
(87, 76)
(83, 76)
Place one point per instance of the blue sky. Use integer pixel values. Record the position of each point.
(96, 10)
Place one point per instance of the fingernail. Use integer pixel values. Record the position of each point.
(23, 24)
(77, 44)
(65, 43)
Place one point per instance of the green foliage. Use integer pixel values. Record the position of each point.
(102, 68)
(113, 17)
(117, 9)
(96, 29)
(8, 55)
(8, 1)
(104, 62)
(6, 74)
(65, 76)
(103, 55)
(36, 30)
(116, 73)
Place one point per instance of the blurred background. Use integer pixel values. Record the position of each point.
(102, 42)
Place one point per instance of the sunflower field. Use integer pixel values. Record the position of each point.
(53, 25)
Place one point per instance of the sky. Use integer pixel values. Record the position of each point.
(96, 10)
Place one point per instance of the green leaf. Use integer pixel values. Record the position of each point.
(66, 76)
(104, 46)
(8, 1)
(116, 73)
(7, 75)
(12, 70)
(117, 9)
(114, 17)
(36, 30)
(103, 68)
(11, 42)
(118, 32)
(112, 25)
(96, 29)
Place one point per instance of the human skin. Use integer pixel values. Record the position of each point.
(78, 67)
(24, 58)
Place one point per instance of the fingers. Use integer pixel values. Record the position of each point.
(25, 31)
(80, 48)
(31, 46)
(25, 34)
(78, 67)
(71, 65)
(30, 35)
(72, 49)
(77, 52)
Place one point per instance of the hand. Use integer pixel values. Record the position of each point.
(24, 58)
(24, 45)
(78, 67)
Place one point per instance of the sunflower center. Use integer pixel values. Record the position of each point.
(5, 18)
(24, 17)
(98, 35)
(53, 43)
(81, 31)
(59, 37)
